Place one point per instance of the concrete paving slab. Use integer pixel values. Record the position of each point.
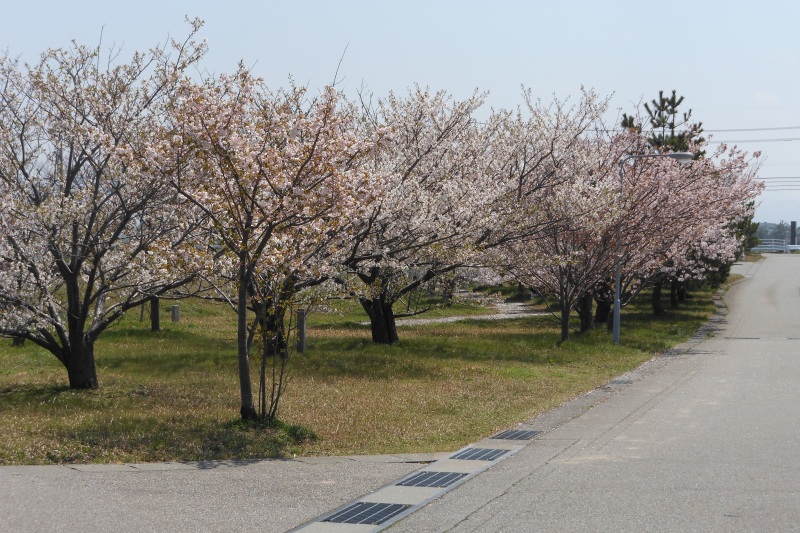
(402, 495)
(103, 468)
(456, 465)
(495, 444)
(162, 467)
(330, 527)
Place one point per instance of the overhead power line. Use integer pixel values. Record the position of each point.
(754, 129)
(756, 140)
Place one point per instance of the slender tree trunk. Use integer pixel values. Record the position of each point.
(449, 290)
(18, 341)
(683, 293)
(673, 293)
(155, 315)
(248, 410)
(80, 365)
(276, 350)
(565, 312)
(658, 308)
(604, 298)
(585, 312)
(381, 319)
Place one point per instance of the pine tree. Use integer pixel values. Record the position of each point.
(666, 121)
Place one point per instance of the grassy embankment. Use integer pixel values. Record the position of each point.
(173, 395)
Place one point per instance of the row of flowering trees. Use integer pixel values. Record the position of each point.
(121, 183)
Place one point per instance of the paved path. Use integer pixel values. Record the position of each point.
(504, 310)
(710, 441)
(704, 439)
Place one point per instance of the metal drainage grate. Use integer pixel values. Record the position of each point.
(367, 513)
(431, 479)
(516, 434)
(479, 454)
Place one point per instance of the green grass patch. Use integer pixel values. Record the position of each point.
(173, 395)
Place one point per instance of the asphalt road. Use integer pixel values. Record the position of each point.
(706, 438)
(709, 440)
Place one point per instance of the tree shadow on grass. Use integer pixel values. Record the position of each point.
(24, 395)
(211, 444)
(423, 355)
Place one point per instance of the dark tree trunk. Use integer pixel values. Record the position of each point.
(683, 293)
(18, 341)
(565, 312)
(381, 319)
(604, 297)
(585, 312)
(658, 308)
(155, 315)
(602, 312)
(80, 365)
(673, 294)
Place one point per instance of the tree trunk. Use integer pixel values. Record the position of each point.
(602, 311)
(80, 365)
(155, 315)
(565, 312)
(449, 290)
(276, 350)
(381, 319)
(604, 297)
(18, 341)
(683, 293)
(585, 312)
(247, 410)
(673, 294)
(658, 308)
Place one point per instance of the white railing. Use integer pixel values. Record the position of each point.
(775, 245)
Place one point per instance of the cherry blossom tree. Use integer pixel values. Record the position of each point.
(277, 175)
(86, 230)
(437, 169)
(568, 256)
(660, 218)
(680, 220)
(457, 187)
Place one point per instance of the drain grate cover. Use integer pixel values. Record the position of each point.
(431, 479)
(479, 454)
(516, 434)
(367, 513)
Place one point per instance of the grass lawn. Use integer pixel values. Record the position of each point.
(173, 395)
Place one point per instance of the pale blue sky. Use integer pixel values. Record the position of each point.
(736, 62)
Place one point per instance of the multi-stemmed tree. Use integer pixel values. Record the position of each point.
(277, 176)
(87, 231)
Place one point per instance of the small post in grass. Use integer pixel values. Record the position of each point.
(176, 313)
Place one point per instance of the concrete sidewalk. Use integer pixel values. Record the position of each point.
(264, 496)
(704, 438)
